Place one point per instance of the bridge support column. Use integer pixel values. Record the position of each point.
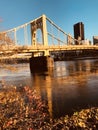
(41, 63)
(46, 53)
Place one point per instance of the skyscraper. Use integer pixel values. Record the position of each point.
(79, 31)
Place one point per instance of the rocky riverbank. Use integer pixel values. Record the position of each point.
(23, 109)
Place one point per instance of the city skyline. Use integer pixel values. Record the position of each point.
(64, 13)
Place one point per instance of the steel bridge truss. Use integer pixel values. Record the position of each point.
(50, 34)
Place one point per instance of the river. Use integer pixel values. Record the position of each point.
(70, 86)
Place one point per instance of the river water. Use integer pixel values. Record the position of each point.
(70, 86)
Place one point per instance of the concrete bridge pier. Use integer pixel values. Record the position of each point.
(41, 63)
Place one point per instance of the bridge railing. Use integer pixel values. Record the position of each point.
(50, 47)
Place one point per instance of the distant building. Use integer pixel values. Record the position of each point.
(95, 40)
(79, 32)
(86, 42)
(69, 39)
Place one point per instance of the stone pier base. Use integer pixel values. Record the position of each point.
(41, 63)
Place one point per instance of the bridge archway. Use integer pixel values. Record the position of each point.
(39, 39)
(39, 23)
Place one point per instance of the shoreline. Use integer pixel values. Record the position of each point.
(27, 59)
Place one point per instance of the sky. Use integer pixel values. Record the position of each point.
(64, 13)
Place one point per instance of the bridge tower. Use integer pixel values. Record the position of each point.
(39, 23)
(40, 63)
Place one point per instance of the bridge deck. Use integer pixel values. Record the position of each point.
(41, 48)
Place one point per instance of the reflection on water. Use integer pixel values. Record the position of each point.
(71, 85)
